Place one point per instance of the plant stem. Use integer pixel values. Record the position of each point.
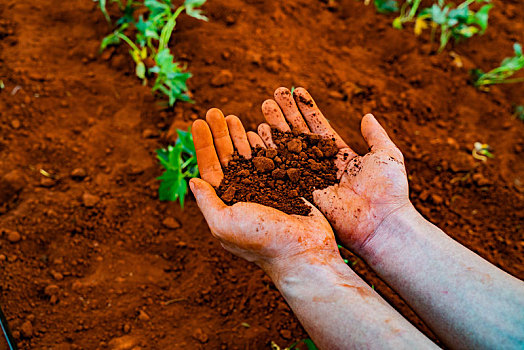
(128, 41)
(168, 29)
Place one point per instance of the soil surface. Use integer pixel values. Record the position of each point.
(91, 259)
(282, 176)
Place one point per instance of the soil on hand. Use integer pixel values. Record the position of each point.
(281, 177)
(91, 259)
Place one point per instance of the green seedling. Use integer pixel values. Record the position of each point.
(458, 23)
(519, 112)
(407, 13)
(150, 46)
(500, 75)
(386, 6)
(307, 342)
(2, 85)
(180, 165)
(482, 151)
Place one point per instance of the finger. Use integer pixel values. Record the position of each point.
(264, 131)
(375, 135)
(238, 135)
(207, 159)
(223, 144)
(290, 110)
(274, 115)
(316, 121)
(255, 140)
(209, 203)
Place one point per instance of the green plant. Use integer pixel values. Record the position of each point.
(459, 23)
(519, 112)
(482, 151)
(386, 6)
(407, 13)
(180, 165)
(150, 46)
(500, 75)
(307, 342)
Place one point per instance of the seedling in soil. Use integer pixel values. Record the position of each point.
(500, 75)
(385, 6)
(407, 13)
(307, 342)
(458, 23)
(482, 151)
(149, 49)
(519, 112)
(180, 165)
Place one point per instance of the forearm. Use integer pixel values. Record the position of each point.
(340, 311)
(467, 302)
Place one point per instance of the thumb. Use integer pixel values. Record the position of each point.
(207, 200)
(374, 134)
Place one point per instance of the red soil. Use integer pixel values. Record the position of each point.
(101, 262)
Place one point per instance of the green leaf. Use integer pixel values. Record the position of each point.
(180, 164)
(141, 70)
(386, 6)
(508, 67)
(111, 39)
(481, 17)
(191, 9)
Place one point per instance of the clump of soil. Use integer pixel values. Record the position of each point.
(279, 177)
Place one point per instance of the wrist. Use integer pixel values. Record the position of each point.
(309, 272)
(393, 231)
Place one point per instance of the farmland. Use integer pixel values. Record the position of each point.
(91, 258)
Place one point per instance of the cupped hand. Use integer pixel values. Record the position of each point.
(371, 187)
(257, 233)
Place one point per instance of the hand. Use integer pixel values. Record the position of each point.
(371, 187)
(252, 231)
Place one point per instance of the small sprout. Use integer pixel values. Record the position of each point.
(293, 89)
(46, 174)
(373, 286)
(180, 165)
(482, 151)
(386, 6)
(519, 112)
(245, 324)
(2, 86)
(307, 342)
(500, 75)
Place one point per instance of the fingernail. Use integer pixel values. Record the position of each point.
(192, 186)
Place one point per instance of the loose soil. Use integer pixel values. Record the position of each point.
(281, 177)
(97, 261)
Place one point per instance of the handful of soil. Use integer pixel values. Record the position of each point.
(279, 177)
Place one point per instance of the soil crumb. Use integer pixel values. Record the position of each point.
(279, 177)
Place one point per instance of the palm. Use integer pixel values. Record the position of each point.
(371, 187)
